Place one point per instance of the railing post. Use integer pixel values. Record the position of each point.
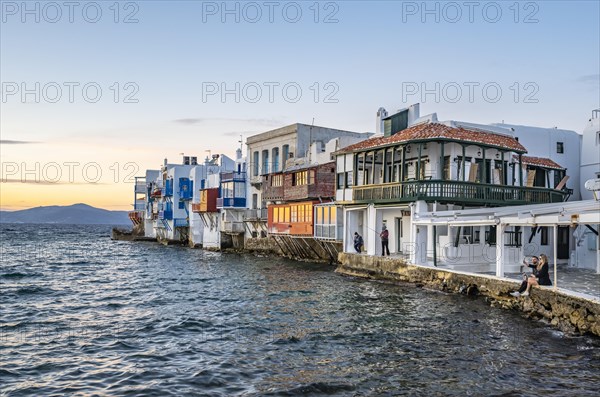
(555, 237)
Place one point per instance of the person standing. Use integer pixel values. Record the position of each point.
(358, 242)
(385, 236)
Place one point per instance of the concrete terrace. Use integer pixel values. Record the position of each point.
(579, 282)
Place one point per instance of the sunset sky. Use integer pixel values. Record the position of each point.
(150, 83)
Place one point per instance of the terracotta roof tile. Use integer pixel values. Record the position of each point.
(433, 131)
(541, 162)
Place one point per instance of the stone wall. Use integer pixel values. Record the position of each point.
(567, 312)
(261, 246)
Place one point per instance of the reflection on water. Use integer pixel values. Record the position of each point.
(83, 314)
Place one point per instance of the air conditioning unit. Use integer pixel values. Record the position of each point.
(194, 160)
(186, 160)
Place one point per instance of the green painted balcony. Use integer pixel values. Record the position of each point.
(456, 192)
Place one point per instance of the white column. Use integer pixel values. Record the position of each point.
(500, 253)
(555, 238)
(430, 241)
(598, 250)
(371, 240)
(418, 236)
(347, 232)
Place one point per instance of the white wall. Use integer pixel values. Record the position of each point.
(541, 142)
(590, 156)
(212, 230)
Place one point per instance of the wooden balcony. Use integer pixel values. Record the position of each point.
(456, 192)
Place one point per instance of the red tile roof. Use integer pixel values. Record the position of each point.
(437, 131)
(540, 162)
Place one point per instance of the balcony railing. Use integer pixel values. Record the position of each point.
(233, 176)
(326, 232)
(256, 214)
(232, 227)
(456, 192)
(141, 187)
(256, 180)
(181, 222)
(231, 202)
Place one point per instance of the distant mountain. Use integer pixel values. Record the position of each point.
(69, 214)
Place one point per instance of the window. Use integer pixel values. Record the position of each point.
(277, 180)
(300, 178)
(560, 147)
(275, 157)
(349, 179)
(227, 190)
(294, 211)
(276, 215)
(490, 235)
(470, 235)
(285, 150)
(239, 189)
(544, 235)
(255, 164)
(265, 162)
(341, 180)
(446, 172)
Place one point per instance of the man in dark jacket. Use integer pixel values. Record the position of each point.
(358, 242)
(385, 236)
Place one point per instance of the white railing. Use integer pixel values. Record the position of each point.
(233, 227)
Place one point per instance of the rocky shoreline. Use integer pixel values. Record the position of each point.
(568, 312)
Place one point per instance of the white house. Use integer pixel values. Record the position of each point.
(562, 146)
(422, 165)
(590, 153)
(168, 195)
(209, 224)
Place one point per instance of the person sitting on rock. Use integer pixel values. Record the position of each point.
(533, 266)
(542, 276)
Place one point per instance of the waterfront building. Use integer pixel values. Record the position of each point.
(422, 165)
(167, 204)
(562, 146)
(295, 145)
(590, 153)
(232, 203)
(207, 224)
(141, 215)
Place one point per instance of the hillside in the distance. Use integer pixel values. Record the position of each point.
(69, 214)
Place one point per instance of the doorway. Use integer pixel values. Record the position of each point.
(398, 233)
(562, 245)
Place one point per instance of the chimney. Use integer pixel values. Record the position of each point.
(381, 114)
(413, 113)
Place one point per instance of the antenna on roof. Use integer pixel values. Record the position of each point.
(241, 142)
(310, 139)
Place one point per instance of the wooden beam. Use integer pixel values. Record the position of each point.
(418, 173)
(464, 155)
(443, 161)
